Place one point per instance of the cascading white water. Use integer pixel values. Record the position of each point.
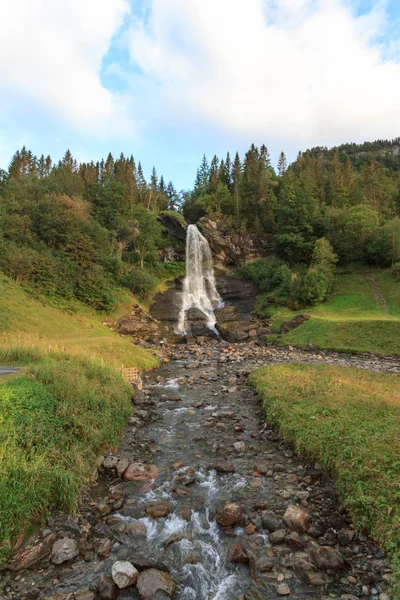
(199, 288)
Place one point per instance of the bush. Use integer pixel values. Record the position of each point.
(396, 271)
(314, 288)
(140, 282)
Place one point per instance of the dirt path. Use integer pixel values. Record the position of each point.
(378, 294)
(197, 442)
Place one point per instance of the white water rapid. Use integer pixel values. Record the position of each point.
(199, 288)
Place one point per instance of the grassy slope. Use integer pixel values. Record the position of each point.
(353, 319)
(26, 322)
(56, 414)
(350, 421)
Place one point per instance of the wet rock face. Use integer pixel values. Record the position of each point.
(231, 249)
(222, 504)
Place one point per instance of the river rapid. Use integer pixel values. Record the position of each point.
(200, 427)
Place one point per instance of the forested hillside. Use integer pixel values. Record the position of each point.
(350, 195)
(77, 231)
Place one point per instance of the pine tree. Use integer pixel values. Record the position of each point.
(282, 164)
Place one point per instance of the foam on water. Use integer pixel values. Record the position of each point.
(199, 287)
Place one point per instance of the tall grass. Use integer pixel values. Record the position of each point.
(350, 421)
(54, 419)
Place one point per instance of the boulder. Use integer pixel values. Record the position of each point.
(229, 515)
(296, 519)
(107, 589)
(277, 536)
(156, 511)
(140, 472)
(270, 521)
(152, 581)
(224, 466)
(124, 574)
(307, 573)
(64, 550)
(31, 554)
(326, 558)
(237, 554)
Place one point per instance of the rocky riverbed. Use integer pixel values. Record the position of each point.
(203, 500)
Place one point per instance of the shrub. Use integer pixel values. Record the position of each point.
(314, 288)
(140, 282)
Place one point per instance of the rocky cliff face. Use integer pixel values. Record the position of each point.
(230, 249)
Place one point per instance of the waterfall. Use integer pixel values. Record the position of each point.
(199, 289)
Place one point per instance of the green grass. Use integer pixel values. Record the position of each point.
(349, 420)
(54, 420)
(59, 411)
(29, 324)
(353, 319)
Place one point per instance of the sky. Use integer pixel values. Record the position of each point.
(171, 80)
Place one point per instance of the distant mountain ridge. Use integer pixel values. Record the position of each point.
(384, 151)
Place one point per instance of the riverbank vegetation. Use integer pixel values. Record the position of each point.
(64, 406)
(361, 315)
(55, 418)
(348, 420)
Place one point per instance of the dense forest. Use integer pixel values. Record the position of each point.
(79, 231)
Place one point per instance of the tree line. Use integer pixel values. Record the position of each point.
(78, 231)
(323, 194)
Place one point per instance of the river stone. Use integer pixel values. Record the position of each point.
(294, 541)
(103, 547)
(277, 536)
(326, 558)
(283, 589)
(264, 564)
(124, 574)
(64, 550)
(307, 573)
(228, 515)
(346, 536)
(136, 529)
(270, 521)
(30, 555)
(107, 589)
(156, 511)
(152, 581)
(122, 466)
(140, 472)
(237, 554)
(296, 519)
(110, 462)
(84, 595)
(224, 466)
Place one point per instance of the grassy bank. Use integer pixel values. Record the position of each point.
(66, 404)
(349, 420)
(55, 417)
(30, 325)
(362, 315)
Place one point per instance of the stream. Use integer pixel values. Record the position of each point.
(200, 427)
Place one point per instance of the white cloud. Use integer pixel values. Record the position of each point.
(51, 53)
(301, 72)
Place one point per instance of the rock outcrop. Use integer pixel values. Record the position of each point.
(230, 249)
